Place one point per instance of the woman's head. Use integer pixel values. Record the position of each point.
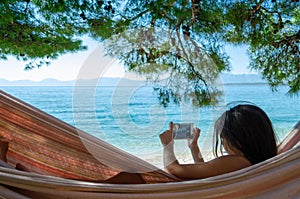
(248, 130)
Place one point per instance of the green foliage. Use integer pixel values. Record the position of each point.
(176, 64)
(272, 30)
(29, 35)
(176, 44)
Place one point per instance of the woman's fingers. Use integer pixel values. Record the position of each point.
(166, 137)
(163, 135)
(171, 127)
(197, 133)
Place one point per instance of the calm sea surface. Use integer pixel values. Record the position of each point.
(131, 119)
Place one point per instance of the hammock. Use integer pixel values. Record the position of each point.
(61, 165)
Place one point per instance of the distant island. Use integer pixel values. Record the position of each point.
(225, 78)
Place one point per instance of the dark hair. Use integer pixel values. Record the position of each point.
(248, 129)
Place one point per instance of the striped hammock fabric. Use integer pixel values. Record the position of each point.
(61, 165)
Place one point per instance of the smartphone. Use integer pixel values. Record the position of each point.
(182, 130)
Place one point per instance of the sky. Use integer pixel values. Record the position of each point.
(68, 67)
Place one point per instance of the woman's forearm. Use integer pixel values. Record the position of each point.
(197, 156)
(169, 158)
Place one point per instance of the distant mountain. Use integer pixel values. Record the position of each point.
(226, 79)
(45, 82)
(54, 82)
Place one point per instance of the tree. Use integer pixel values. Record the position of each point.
(34, 32)
(182, 38)
(272, 30)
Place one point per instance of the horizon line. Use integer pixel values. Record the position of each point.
(108, 77)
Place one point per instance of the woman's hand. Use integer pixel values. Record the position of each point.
(167, 136)
(193, 142)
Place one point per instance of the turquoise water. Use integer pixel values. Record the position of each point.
(131, 119)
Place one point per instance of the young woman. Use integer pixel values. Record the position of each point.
(245, 132)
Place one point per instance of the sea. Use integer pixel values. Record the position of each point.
(130, 117)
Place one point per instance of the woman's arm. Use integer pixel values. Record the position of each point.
(218, 166)
(197, 156)
(200, 170)
(193, 145)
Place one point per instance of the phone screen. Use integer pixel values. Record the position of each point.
(183, 130)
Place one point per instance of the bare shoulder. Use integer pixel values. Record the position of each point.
(226, 164)
(229, 163)
(218, 166)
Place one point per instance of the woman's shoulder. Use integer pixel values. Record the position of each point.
(232, 162)
(217, 166)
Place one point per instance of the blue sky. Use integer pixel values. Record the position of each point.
(68, 66)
